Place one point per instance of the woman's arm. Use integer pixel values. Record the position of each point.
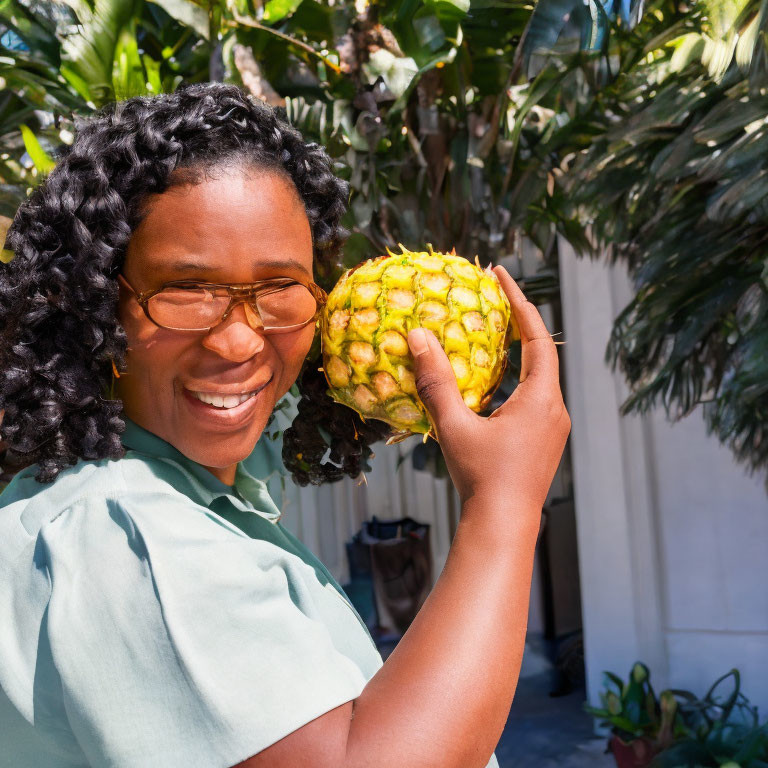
(444, 694)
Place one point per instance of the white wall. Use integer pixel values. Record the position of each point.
(713, 540)
(673, 535)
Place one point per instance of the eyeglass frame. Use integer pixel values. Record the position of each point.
(239, 293)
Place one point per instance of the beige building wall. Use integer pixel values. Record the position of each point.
(673, 534)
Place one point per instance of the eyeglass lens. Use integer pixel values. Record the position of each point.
(192, 309)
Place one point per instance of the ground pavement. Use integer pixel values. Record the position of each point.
(549, 732)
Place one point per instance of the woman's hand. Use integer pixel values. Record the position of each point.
(512, 454)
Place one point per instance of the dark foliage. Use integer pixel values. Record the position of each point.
(316, 454)
(677, 187)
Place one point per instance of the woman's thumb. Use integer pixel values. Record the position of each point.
(435, 380)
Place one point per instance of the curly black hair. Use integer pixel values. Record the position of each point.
(59, 329)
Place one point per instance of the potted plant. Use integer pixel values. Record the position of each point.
(680, 730)
(718, 733)
(642, 725)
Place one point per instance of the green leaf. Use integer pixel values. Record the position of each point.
(547, 23)
(77, 82)
(625, 724)
(188, 13)
(127, 70)
(90, 52)
(32, 27)
(152, 69)
(718, 54)
(275, 10)
(429, 32)
(318, 21)
(461, 6)
(721, 16)
(398, 72)
(449, 9)
(687, 49)
(439, 60)
(548, 80)
(640, 672)
(42, 160)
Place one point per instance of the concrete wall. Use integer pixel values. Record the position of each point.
(673, 535)
(713, 543)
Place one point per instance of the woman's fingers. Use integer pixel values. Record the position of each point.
(539, 354)
(539, 360)
(528, 318)
(435, 380)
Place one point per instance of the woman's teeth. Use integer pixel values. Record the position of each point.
(223, 401)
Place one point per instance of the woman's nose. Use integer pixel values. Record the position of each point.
(234, 338)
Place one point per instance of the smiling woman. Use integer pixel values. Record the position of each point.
(185, 376)
(175, 244)
(153, 610)
(203, 184)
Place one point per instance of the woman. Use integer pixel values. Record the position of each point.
(153, 611)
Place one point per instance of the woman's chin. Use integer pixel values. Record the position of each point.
(227, 449)
(222, 448)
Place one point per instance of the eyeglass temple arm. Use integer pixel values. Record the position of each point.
(122, 279)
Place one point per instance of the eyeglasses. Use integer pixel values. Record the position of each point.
(277, 305)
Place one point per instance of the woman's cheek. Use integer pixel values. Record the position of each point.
(151, 351)
(292, 350)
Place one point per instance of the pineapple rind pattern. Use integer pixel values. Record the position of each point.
(365, 323)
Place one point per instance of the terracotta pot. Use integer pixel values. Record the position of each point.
(634, 754)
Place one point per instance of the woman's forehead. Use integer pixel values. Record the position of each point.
(232, 219)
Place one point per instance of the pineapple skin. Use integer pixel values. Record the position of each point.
(365, 323)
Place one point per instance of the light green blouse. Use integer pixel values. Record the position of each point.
(151, 615)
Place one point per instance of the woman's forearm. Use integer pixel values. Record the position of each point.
(443, 696)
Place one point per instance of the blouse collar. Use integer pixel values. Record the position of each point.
(248, 494)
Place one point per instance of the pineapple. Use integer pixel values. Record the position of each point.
(365, 322)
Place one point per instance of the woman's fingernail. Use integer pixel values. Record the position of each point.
(417, 339)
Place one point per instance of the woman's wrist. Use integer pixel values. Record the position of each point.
(502, 513)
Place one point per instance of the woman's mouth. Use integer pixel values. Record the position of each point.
(224, 410)
(223, 401)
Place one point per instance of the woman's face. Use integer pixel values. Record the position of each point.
(242, 226)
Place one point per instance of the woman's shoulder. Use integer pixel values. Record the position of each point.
(87, 484)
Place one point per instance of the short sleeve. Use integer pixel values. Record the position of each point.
(180, 641)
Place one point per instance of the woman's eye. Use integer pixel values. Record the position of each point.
(290, 305)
